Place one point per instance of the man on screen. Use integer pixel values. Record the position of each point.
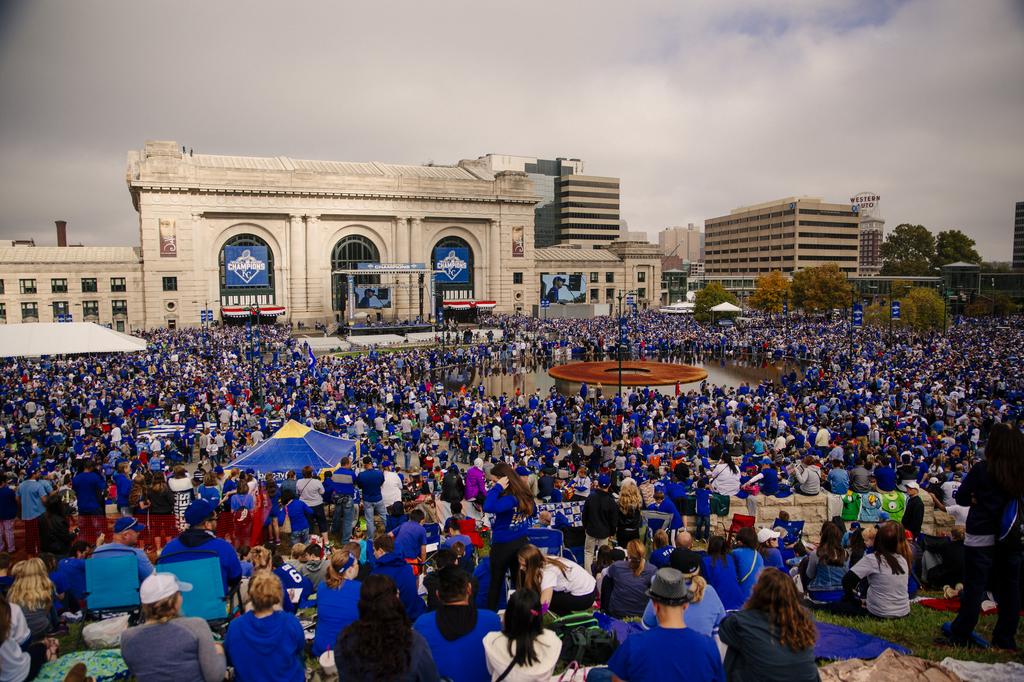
(370, 299)
(559, 293)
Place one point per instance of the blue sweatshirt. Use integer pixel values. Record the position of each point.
(463, 658)
(205, 541)
(509, 523)
(268, 648)
(370, 482)
(703, 496)
(394, 566)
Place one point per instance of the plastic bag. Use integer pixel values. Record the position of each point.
(105, 634)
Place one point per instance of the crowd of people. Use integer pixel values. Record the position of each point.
(929, 416)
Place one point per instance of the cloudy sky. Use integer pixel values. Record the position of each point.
(699, 106)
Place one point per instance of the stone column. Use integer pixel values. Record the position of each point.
(401, 247)
(494, 261)
(297, 264)
(416, 255)
(314, 266)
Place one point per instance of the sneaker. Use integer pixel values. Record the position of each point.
(73, 616)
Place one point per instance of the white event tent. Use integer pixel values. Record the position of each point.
(64, 338)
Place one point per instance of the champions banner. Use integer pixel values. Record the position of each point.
(452, 262)
(246, 266)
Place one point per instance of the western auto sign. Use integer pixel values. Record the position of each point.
(246, 266)
(865, 201)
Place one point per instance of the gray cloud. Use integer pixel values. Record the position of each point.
(698, 106)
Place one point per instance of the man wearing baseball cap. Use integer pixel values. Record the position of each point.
(642, 656)
(125, 540)
(199, 538)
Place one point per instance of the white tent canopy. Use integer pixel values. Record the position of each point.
(726, 307)
(68, 338)
(680, 308)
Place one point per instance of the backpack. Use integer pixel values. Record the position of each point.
(851, 506)
(583, 640)
(894, 504)
(871, 507)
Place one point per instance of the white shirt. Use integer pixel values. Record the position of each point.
(577, 580)
(547, 646)
(311, 491)
(724, 481)
(14, 663)
(391, 490)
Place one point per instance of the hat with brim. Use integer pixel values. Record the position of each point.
(160, 586)
(669, 587)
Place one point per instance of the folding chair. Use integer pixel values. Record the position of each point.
(433, 538)
(791, 533)
(739, 522)
(111, 585)
(548, 540)
(206, 600)
(655, 521)
(468, 528)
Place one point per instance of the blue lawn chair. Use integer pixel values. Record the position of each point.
(793, 532)
(201, 568)
(548, 540)
(656, 520)
(111, 585)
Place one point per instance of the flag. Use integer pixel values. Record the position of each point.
(311, 364)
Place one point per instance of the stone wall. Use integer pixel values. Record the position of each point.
(814, 512)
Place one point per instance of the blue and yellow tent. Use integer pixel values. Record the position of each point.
(294, 447)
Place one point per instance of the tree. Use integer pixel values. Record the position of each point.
(821, 288)
(922, 308)
(772, 289)
(708, 297)
(908, 250)
(953, 246)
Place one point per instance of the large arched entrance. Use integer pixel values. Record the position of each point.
(446, 290)
(346, 255)
(239, 292)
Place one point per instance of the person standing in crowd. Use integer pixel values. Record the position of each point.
(456, 629)
(476, 488)
(913, 515)
(55, 536)
(266, 644)
(32, 494)
(370, 481)
(564, 586)
(311, 491)
(168, 646)
(524, 650)
(381, 644)
(994, 491)
(343, 488)
(630, 518)
(600, 519)
(91, 491)
(512, 504)
(772, 638)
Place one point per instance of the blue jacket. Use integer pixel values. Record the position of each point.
(509, 524)
(336, 609)
(269, 648)
(205, 541)
(394, 566)
(463, 658)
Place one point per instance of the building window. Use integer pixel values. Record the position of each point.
(609, 294)
(29, 312)
(58, 286)
(641, 293)
(517, 278)
(641, 276)
(593, 295)
(91, 309)
(119, 307)
(593, 278)
(89, 285)
(117, 285)
(609, 277)
(2, 287)
(170, 283)
(60, 308)
(28, 286)
(3, 311)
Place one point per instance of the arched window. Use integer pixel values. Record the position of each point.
(258, 295)
(452, 291)
(346, 255)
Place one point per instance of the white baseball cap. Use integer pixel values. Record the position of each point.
(766, 534)
(161, 586)
(910, 484)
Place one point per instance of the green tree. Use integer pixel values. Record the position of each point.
(922, 308)
(821, 288)
(908, 250)
(771, 290)
(953, 246)
(708, 297)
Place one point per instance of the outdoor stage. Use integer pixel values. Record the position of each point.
(634, 373)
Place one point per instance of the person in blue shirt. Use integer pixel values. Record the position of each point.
(342, 486)
(662, 549)
(266, 645)
(702, 522)
(411, 537)
(705, 610)
(720, 572)
(124, 489)
(91, 493)
(8, 512)
(455, 630)
(370, 481)
(746, 560)
(208, 490)
(768, 546)
(838, 479)
(125, 540)
(642, 657)
(297, 587)
(513, 507)
(299, 514)
(200, 537)
(389, 563)
(337, 599)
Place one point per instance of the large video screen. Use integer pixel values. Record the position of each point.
(563, 288)
(373, 298)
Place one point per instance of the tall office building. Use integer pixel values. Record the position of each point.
(589, 206)
(685, 242)
(872, 231)
(787, 234)
(1018, 237)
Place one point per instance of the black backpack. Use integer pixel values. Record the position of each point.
(583, 640)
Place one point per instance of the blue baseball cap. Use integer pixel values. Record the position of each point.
(197, 512)
(604, 480)
(128, 523)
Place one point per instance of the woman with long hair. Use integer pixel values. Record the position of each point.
(512, 504)
(826, 566)
(773, 637)
(630, 517)
(381, 645)
(54, 535)
(992, 548)
(624, 590)
(746, 560)
(33, 592)
(337, 599)
(524, 651)
(563, 585)
(725, 477)
(887, 572)
(720, 573)
(20, 657)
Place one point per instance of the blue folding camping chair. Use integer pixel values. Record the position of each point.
(433, 538)
(111, 585)
(201, 568)
(655, 521)
(548, 540)
(792, 533)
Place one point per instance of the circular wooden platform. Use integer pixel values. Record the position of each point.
(634, 373)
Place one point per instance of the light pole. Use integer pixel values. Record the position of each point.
(622, 338)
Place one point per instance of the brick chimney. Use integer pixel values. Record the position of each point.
(62, 232)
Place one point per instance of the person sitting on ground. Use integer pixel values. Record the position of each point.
(705, 610)
(768, 546)
(720, 572)
(125, 540)
(623, 592)
(168, 646)
(389, 563)
(950, 550)
(312, 564)
(337, 598)
(456, 629)
(746, 560)
(564, 586)
(772, 638)
(657, 654)
(200, 536)
(20, 657)
(33, 592)
(266, 644)
(381, 644)
(411, 538)
(827, 564)
(444, 558)
(662, 549)
(524, 650)
(887, 572)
